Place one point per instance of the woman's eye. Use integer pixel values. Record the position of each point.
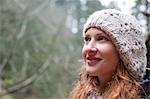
(102, 38)
(86, 39)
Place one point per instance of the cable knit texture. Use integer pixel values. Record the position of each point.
(93, 94)
(126, 34)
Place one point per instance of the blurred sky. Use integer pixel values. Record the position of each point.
(124, 5)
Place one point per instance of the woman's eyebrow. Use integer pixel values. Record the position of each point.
(102, 34)
(86, 35)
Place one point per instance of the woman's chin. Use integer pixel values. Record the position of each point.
(92, 70)
(92, 73)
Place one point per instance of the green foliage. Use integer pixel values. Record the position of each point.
(25, 45)
(61, 2)
(21, 54)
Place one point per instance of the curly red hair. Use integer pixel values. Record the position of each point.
(124, 85)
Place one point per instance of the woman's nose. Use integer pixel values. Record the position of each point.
(92, 51)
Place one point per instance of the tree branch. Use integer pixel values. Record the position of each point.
(21, 5)
(19, 85)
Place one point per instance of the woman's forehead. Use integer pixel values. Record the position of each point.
(96, 31)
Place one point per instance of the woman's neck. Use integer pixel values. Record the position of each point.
(104, 79)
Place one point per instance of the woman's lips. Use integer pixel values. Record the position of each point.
(92, 61)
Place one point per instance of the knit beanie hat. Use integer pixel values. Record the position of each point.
(126, 34)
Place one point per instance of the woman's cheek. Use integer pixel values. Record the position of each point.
(83, 52)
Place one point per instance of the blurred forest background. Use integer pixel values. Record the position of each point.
(41, 42)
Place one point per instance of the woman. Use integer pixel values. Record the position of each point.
(114, 56)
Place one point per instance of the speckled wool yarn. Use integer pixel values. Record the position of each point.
(126, 34)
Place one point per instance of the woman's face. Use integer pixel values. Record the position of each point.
(99, 53)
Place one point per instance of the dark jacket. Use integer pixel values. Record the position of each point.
(146, 84)
(146, 93)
